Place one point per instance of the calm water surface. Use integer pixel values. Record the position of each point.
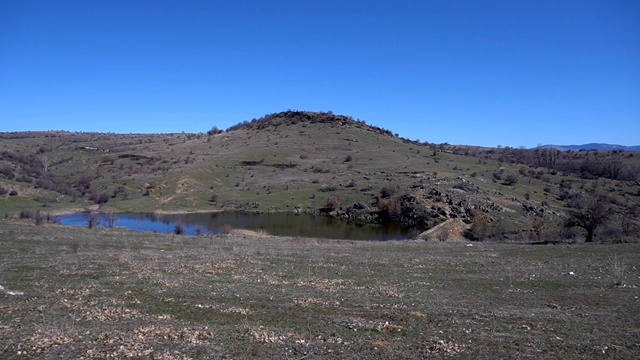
(281, 224)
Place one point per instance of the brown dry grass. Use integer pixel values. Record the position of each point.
(110, 293)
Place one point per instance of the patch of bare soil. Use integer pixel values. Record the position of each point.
(248, 233)
(450, 230)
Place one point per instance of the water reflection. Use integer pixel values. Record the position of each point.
(281, 224)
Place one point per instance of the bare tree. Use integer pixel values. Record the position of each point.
(92, 218)
(39, 217)
(179, 229)
(635, 174)
(111, 218)
(333, 202)
(546, 156)
(45, 163)
(539, 227)
(313, 208)
(510, 179)
(589, 211)
(628, 220)
(614, 168)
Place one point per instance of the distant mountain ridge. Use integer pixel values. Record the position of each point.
(594, 146)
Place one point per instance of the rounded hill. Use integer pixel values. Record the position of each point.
(293, 117)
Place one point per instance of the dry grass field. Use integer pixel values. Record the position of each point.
(76, 293)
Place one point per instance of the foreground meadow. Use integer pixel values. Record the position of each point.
(112, 293)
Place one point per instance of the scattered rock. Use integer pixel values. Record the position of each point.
(358, 212)
(10, 292)
(387, 327)
(445, 347)
(360, 206)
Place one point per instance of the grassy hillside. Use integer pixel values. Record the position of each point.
(299, 161)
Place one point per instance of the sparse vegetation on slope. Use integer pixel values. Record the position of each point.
(318, 163)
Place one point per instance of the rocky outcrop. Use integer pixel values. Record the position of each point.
(358, 212)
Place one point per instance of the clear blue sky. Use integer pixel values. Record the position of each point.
(510, 73)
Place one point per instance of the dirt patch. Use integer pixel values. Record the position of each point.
(450, 230)
(248, 233)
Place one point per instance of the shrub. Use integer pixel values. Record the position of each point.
(98, 197)
(386, 192)
(413, 234)
(26, 214)
(389, 210)
(327, 189)
(539, 228)
(333, 202)
(510, 179)
(178, 229)
(214, 130)
(103, 198)
(226, 229)
(483, 228)
(38, 218)
(51, 219)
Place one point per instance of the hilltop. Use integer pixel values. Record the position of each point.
(319, 163)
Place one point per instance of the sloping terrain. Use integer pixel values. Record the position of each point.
(305, 162)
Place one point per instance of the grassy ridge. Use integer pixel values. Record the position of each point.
(115, 293)
(298, 160)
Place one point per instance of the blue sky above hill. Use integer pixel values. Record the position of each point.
(510, 73)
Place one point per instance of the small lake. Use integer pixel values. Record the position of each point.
(280, 224)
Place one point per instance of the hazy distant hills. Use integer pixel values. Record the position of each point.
(593, 146)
